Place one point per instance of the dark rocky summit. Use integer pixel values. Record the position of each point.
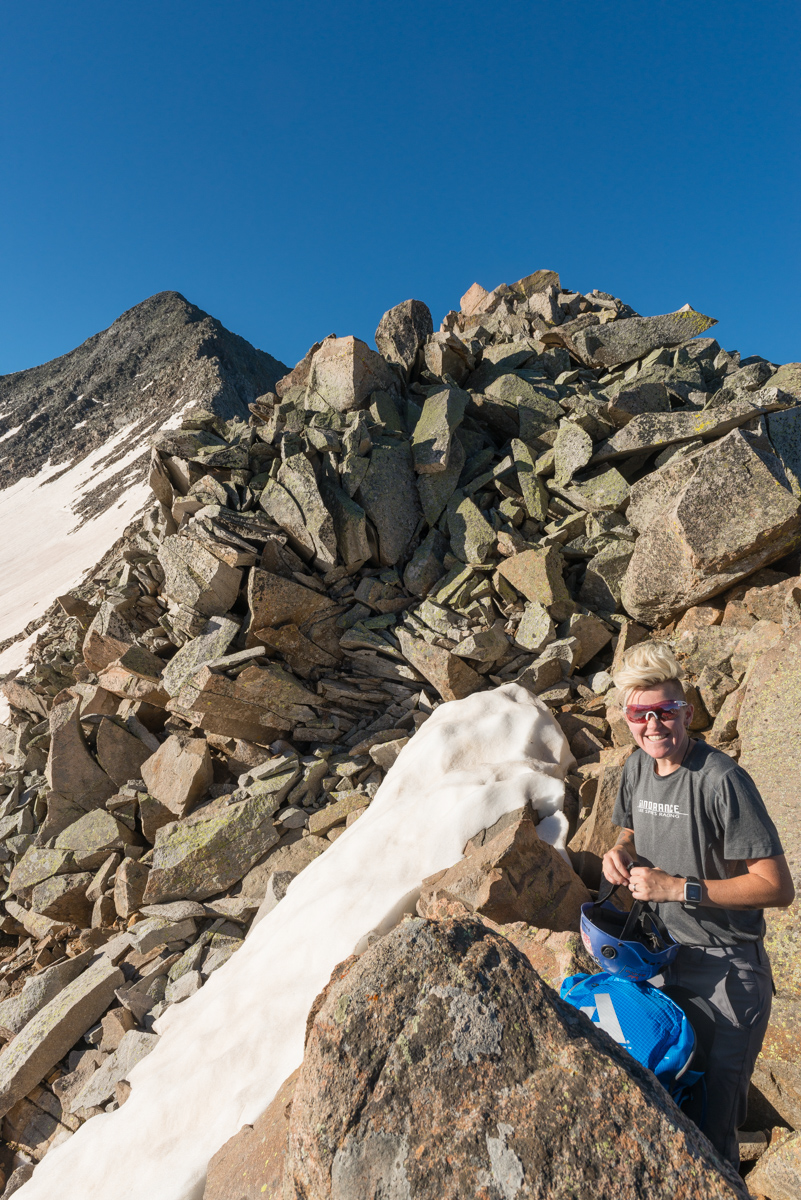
(161, 356)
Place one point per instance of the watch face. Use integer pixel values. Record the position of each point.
(692, 893)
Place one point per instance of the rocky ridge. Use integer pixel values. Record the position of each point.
(520, 496)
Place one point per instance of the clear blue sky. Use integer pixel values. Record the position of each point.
(296, 168)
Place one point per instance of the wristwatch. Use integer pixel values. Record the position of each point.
(693, 892)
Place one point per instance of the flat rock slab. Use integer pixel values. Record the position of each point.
(653, 431)
(777, 1175)
(439, 1065)
(55, 1029)
(634, 337)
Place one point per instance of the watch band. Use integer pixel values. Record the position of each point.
(692, 892)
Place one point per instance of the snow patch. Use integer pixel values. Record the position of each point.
(10, 433)
(224, 1052)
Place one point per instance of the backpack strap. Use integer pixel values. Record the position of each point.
(640, 912)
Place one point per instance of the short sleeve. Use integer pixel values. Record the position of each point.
(621, 814)
(748, 831)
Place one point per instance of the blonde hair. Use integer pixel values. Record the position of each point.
(645, 665)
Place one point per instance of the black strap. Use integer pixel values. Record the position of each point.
(639, 912)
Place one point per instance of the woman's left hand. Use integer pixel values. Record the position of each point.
(649, 883)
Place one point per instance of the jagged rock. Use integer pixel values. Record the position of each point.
(99, 1088)
(119, 753)
(487, 646)
(210, 850)
(402, 331)
(129, 887)
(108, 636)
(653, 431)
(433, 434)
(63, 898)
(296, 475)
(515, 876)
(598, 834)
(196, 577)
(55, 1029)
(728, 520)
(345, 371)
(39, 990)
(213, 642)
(623, 341)
(572, 451)
(90, 839)
(156, 931)
(777, 1175)
(37, 864)
(646, 396)
(71, 770)
(389, 497)
(136, 676)
(452, 677)
(255, 706)
(537, 574)
(506, 1070)
(179, 773)
(536, 629)
(436, 489)
(472, 536)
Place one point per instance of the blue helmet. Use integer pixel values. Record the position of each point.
(635, 945)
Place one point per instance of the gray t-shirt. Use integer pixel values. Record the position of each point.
(704, 819)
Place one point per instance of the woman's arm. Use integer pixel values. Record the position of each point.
(617, 861)
(767, 883)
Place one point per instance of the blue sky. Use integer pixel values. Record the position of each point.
(296, 168)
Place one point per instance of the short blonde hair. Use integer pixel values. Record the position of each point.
(645, 665)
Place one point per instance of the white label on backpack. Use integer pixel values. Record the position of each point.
(607, 1017)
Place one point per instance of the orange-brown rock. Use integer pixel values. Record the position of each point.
(250, 1166)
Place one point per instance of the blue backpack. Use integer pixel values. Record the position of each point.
(669, 1031)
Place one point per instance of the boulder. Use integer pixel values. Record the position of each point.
(598, 834)
(296, 476)
(734, 515)
(440, 1065)
(55, 1029)
(213, 642)
(196, 577)
(179, 773)
(634, 337)
(129, 887)
(345, 371)
(655, 431)
(71, 771)
(388, 495)
(92, 838)
(448, 673)
(63, 898)
(108, 636)
(210, 850)
(777, 1175)
(537, 575)
(515, 876)
(39, 990)
(433, 434)
(99, 1088)
(402, 331)
(119, 753)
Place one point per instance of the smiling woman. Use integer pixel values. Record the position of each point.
(698, 844)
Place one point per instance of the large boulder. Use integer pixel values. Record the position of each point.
(623, 341)
(440, 1065)
(345, 371)
(515, 876)
(734, 514)
(402, 331)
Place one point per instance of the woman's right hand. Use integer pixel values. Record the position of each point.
(616, 864)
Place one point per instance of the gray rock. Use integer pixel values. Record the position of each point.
(624, 340)
(39, 990)
(55, 1029)
(402, 331)
(536, 629)
(635, 398)
(99, 1088)
(196, 577)
(71, 771)
(532, 489)
(735, 514)
(345, 371)
(572, 451)
(389, 497)
(210, 850)
(435, 490)
(432, 438)
(425, 566)
(210, 644)
(603, 579)
(472, 537)
(296, 474)
(92, 838)
(350, 526)
(784, 431)
(652, 431)
(279, 504)
(156, 931)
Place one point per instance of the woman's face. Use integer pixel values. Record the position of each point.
(665, 737)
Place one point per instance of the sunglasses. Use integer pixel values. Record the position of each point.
(638, 714)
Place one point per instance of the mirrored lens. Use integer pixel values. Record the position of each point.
(638, 714)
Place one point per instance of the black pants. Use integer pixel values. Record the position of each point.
(737, 982)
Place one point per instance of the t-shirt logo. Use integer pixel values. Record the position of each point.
(659, 810)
